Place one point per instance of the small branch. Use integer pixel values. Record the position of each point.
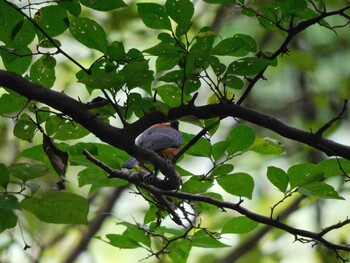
(134, 178)
(321, 130)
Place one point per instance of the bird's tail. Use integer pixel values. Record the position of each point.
(131, 163)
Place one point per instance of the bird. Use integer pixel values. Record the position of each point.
(163, 138)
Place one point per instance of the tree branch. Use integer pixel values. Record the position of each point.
(134, 178)
(124, 139)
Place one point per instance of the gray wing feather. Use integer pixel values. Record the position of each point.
(156, 139)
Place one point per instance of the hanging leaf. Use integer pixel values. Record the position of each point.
(58, 208)
(154, 16)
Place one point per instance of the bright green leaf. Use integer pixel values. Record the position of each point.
(136, 233)
(239, 225)
(278, 178)
(222, 170)
(154, 16)
(334, 167)
(201, 148)
(202, 239)
(122, 241)
(267, 146)
(58, 208)
(196, 185)
(321, 190)
(240, 184)
(303, 174)
(241, 138)
(219, 148)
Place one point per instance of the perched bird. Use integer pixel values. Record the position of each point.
(163, 138)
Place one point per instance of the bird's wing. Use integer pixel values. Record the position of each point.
(159, 138)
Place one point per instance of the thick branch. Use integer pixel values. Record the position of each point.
(124, 139)
(79, 113)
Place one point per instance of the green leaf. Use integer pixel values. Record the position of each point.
(247, 66)
(12, 102)
(232, 81)
(321, 190)
(219, 148)
(8, 202)
(58, 208)
(70, 131)
(196, 185)
(98, 178)
(89, 33)
(201, 148)
(290, 7)
(103, 80)
(105, 5)
(240, 184)
(212, 125)
(181, 11)
(202, 239)
(26, 172)
(239, 225)
(122, 241)
(4, 176)
(24, 128)
(154, 16)
(278, 178)
(8, 219)
(171, 95)
(218, 1)
(228, 47)
(143, 77)
(222, 170)
(241, 138)
(166, 63)
(9, 21)
(24, 36)
(216, 65)
(267, 146)
(334, 167)
(136, 233)
(52, 19)
(138, 104)
(164, 49)
(179, 250)
(303, 174)
(17, 60)
(43, 71)
(116, 51)
(72, 6)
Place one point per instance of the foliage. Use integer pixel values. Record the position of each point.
(192, 73)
